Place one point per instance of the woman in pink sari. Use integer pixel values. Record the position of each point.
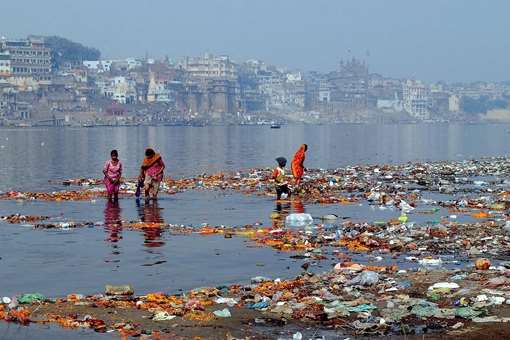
(112, 171)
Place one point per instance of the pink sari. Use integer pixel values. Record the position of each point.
(112, 177)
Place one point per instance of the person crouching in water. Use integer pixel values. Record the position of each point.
(151, 173)
(112, 171)
(281, 184)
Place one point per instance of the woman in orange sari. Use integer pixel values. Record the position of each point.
(297, 166)
(151, 173)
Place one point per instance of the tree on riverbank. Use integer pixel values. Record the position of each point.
(482, 104)
(66, 51)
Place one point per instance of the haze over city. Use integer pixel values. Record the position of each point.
(434, 40)
(264, 169)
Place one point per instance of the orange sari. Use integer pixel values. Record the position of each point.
(149, 161)
(297, 166)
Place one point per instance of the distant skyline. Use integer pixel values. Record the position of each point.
(450, 40)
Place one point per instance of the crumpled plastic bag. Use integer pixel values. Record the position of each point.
(163, 316)
(394, 314)
(31, 298)
(231, 302)
(444, 285)
(362, 308)
(366, 278)
(223, 313)
(259, 305)
(468, 312)
(425, 309)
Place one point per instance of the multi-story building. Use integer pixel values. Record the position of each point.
(161, 76)
(5, 64)
(158, 88)
(390, 105)
(324, 91)
(416, 99)
(350, 86)
(210, 66)
(382, 92)
(294, 94)
(271, 87)
(28, 58)
(317, 91)
(7, 98)
(213, 84)
(454, 103)
(99, 66)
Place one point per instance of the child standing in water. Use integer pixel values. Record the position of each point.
(281, 184)
(112, 171)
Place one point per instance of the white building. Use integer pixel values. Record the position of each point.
(133, 63)
(124, 93)
(324, 91)
(158, 91)
(123, 90)
(29, 58)
(91, 64)
(99, 66)
(210, 66)
(119, 89)
(417, 100)
(271, 86)
(294, 94)
(454, 103)
(5, 64)
(390, 105)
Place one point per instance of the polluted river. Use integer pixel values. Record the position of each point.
(396, 231)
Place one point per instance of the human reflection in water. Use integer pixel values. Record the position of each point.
(150, 213)
(282, 210)
(298, 207)
(113, 224)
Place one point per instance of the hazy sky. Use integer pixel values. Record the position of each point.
(453, 40)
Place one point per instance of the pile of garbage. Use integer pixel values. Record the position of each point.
(56, 196)
(385, 301)
(438, 264)
(81, 182)
(19, 219)
(397, 185)
(353, 298)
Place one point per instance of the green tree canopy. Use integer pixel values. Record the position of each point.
(65, 50)
(481, 104)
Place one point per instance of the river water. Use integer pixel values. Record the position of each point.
(30, 157)
(57, 262)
